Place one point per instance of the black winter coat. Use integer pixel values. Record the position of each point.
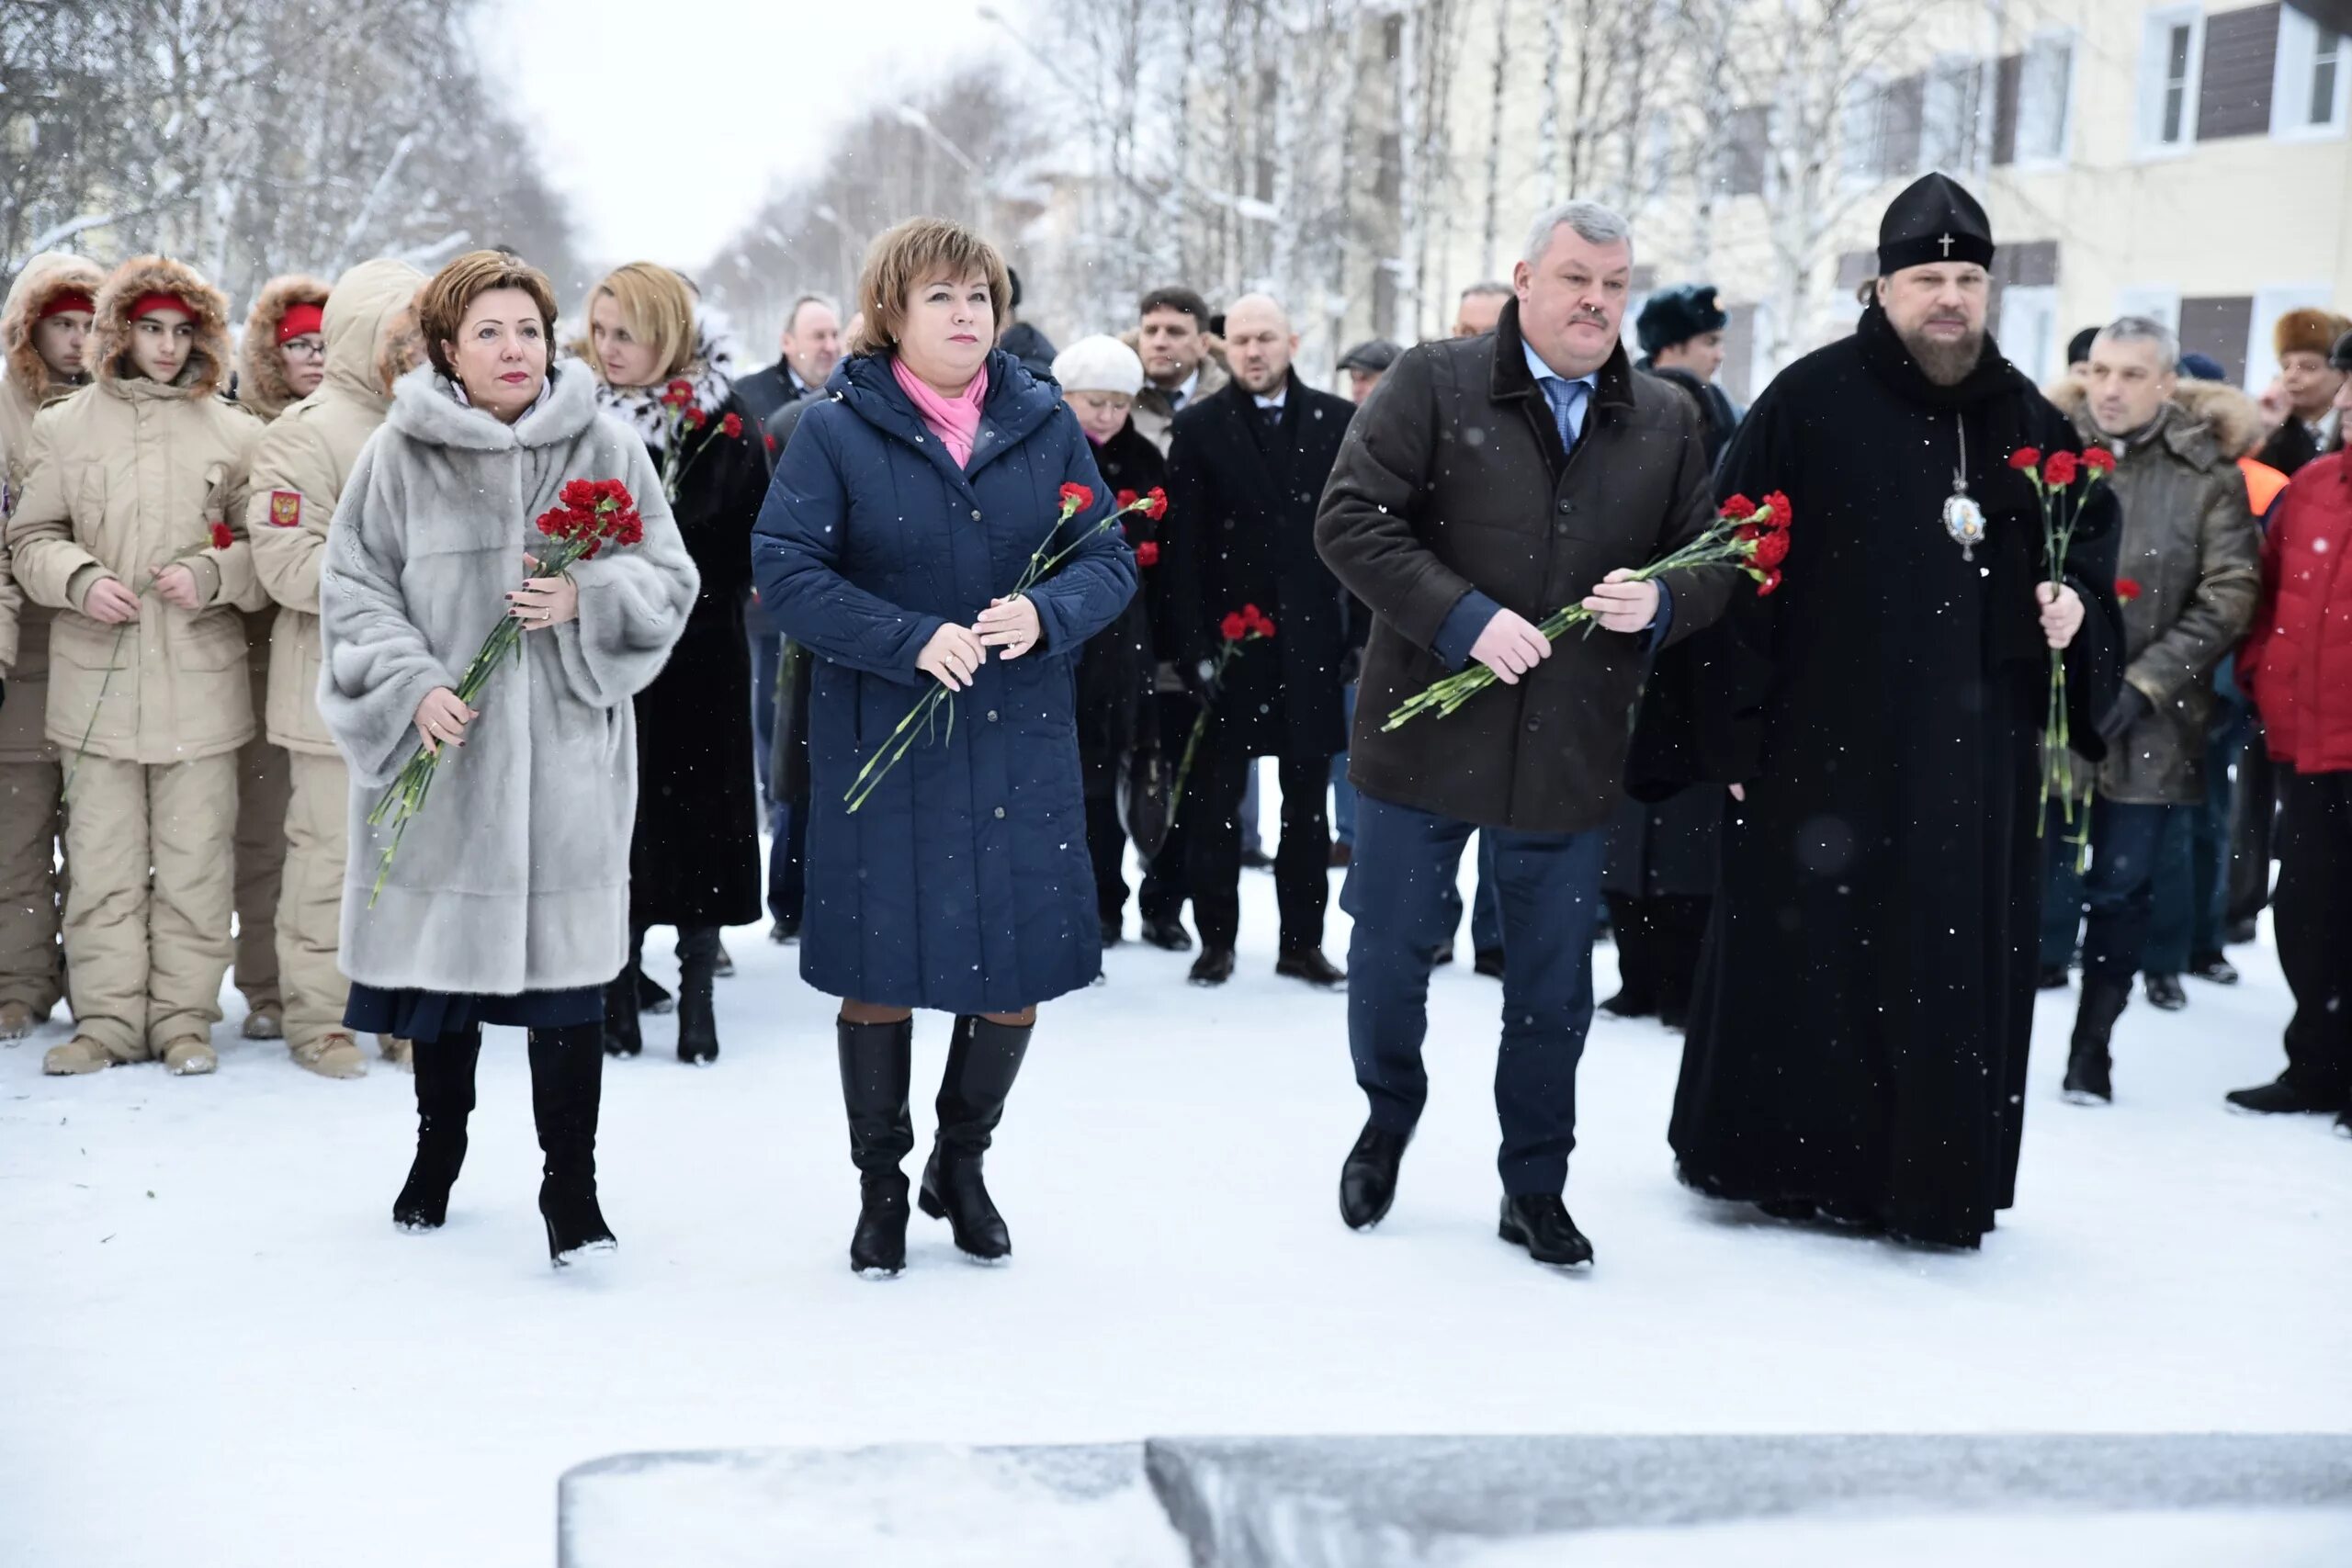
(1240, 530)
(1115, 672)
(1453, 480)
(695, 859)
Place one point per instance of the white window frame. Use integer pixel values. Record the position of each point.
(2035, 353)
(1864, 103)
(2291, 84)
(1966, 73)
(2155, 58)
(2069, 84)
(2270, 304)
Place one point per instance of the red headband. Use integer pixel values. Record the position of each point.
(149, 303)
(71, 300)
(298, 319)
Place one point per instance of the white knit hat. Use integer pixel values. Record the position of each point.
(1098, 365)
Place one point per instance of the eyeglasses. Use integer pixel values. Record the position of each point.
(305, 347)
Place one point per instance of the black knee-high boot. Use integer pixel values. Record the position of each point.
(445, 1097)
(697, 1020)
(567, 1084)
(623, 1037)
(876, 1064)
(983, 1061)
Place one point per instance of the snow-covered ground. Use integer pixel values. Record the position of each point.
(217, 1350)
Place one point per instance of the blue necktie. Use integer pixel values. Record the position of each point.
(1567, 409)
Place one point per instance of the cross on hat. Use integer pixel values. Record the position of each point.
(1946, 243)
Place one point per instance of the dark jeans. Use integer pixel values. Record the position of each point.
(1302, 862)
(2312, 914)
(788, 862)
(1548, 893)
(1343, 794)
(1166, 881)
(767, 654)
(2062, 885)
(1485, 920)
(2192, 865)
(2120, 888)
(1657, 949)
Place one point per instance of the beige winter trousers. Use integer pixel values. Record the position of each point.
(147, 917)
(310, 906)
(262, 790)
(29, 920)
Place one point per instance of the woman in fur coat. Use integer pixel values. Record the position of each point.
(694, 857)
(131, 526)
(507, 902)
(281, 360)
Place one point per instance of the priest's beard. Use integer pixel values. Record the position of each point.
(1945, 364)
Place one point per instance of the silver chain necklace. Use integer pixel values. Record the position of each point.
(1964, 519)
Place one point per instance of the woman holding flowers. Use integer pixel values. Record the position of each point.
(695, 858)
(130, 528)
(904, 514)
(507, 900)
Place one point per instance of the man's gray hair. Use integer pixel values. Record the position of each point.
(1490, 289)
(1595, 223)
(792, 317)
(2145, 329)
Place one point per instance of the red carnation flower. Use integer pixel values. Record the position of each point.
(770, 441)
(1771, 581)
(2059, 470)
(580, 494)
(1156, 504)
(1126, 499)
(1147, 553)
(223, 537)
(678, 393)
(1235, 627)
(2099, 460)
(1772, 549)
(2025, 459)
(731, 427)
(1077, 498)
(2127, 588)
(1781, 511)
(1266, 625)
(695, 419)
(1736, 507)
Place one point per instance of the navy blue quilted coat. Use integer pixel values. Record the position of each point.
(963, 882)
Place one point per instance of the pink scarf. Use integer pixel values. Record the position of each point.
(956, 420)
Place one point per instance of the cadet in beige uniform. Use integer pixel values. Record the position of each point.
(44, 330)
(296, 476)
(281, 360)
(131, 526)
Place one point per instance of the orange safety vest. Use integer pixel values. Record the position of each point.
(2263, 484)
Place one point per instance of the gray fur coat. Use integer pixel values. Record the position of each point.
(514, 877)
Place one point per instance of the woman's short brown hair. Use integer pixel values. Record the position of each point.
(658, 308)
(441, 304)
(911, 255)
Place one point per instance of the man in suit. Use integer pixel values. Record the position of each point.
(1246, 468)
(1580, 469)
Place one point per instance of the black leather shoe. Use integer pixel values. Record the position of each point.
(698, 956)
(1256, 860)
(2052, 977)
(1489, 963)
(983, 1059)
(784, 932)
(2285, 1097)
(1368, 1179)
(1540, 1222)
(725, 967)
(1440, 955)
(2213, 969)
(622, 1035)
(1308, 963)
(2088, 1066)
(445, 1098)
(1212, 967)
(877, 1060)
(2237, 934)
(1625, 1004)
(1168, 934)
(2164, 993)
(1111, 934)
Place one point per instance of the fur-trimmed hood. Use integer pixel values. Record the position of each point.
(427, 409)
(2231, 417)
(207, 370)
(43, 279)
(373, 305)
(261, 380)
(712, 371)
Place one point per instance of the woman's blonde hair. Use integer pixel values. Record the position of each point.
(657, 308)
(441, 304)
(911, 255)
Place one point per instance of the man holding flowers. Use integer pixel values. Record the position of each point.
(1491, 483)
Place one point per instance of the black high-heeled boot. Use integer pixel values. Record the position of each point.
(567, 1085)
(876, 1064)
(983, 1059)
(698, 969)
(445, 1098)
(623, 1035)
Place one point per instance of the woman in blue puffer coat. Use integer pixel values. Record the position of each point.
(903, 512)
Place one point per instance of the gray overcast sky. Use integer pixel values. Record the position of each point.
(722, 98)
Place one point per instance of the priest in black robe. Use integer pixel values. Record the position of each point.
(1857, 1036)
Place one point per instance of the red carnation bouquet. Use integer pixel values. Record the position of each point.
(593, 513)
(1043, 562)
(1247, 625)
(683, 417)
(1754, 539)
(2063, 482)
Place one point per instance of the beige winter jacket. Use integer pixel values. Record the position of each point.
(27, 386)
(261, 390)
(297, 474)
(130, 476)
